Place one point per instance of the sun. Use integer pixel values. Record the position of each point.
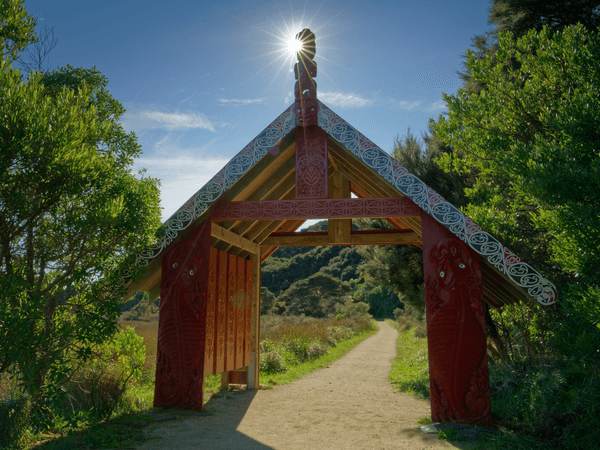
(294, 45)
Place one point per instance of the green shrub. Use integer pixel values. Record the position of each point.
(272, 362)
(350, 308)
(101, 384)
(14, 416)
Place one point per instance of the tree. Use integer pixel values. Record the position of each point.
(315, 296)
(72, 215)
(381, 300)
(520, 16)
(533, 137)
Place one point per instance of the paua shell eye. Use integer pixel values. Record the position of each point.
(442, 274)
(175, 265)
(461, 265)
(191, 272)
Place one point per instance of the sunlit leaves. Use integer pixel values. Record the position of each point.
(533, 136)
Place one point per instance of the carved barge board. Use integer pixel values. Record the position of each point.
(456, 336)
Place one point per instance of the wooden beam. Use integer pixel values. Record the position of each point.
(303, 240)
(254, 368)
(288, 225)
(258, 174)
(339, 229)
(234, 239)
(343, 208)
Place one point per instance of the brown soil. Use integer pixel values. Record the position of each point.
(349, 405)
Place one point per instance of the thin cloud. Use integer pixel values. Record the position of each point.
(343, 100)
(419, 105)
(180, 175)
(167, 121)
(438, 106)
(240, 101)
(408, 106)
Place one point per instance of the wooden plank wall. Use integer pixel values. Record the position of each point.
(229, 313)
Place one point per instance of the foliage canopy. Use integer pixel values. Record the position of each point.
(71, 212)
(532, 135)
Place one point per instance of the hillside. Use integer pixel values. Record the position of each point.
(313, 280)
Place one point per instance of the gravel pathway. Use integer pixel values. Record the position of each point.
(349, 405)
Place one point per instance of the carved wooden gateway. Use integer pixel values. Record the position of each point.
(308, 164)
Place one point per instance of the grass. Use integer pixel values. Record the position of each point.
(410, 368)
(410, 374)
(121, 431)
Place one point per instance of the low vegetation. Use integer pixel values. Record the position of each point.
(102, 402)
(549, 403)
(294, 346)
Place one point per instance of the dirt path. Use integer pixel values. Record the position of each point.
(349, 405)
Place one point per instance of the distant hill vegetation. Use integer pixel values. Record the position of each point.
(317, 281)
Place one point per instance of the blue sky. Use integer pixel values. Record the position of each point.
(201, 79)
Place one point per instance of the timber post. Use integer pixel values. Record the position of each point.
(182, 322)
(456, 336)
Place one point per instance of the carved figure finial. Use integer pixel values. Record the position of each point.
(305, 106)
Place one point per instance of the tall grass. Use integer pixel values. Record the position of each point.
(294, 346)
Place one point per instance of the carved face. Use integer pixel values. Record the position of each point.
(452, 261)
(184, 268)
(306, 112)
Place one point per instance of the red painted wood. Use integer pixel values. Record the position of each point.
(211, 321)
(230, 335)
(248, 312)
(240, 316)
(311, 162)
(221, 312)
(458, 369)
(182, 321)
(333, 208)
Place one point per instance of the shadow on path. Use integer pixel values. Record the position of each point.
(216, 424)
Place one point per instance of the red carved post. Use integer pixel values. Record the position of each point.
(311, 162)
(458, 368)
(182, 322)
(240, 316)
